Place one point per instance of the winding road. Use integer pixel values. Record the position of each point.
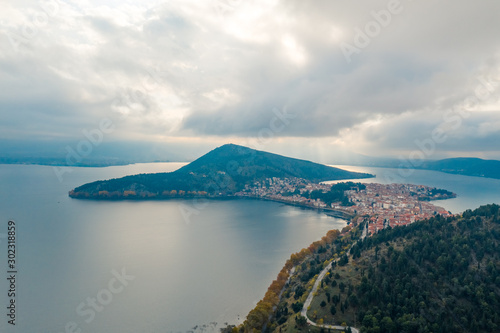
(310, 297)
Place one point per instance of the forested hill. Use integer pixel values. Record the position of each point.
(244, 163)
(466, 166)
(223, 171)
(440, 275)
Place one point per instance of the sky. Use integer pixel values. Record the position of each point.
(315, 79)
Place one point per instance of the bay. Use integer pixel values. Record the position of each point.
(183, 263)
(187, 265)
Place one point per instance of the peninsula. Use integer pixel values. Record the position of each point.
(223, 172)
(233, 171)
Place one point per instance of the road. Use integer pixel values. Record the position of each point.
(310, 297)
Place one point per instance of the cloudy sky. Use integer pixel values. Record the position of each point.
(311, 79)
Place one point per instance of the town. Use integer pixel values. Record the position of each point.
(382, 205)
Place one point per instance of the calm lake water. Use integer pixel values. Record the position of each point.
(191, 265)
(185, 264)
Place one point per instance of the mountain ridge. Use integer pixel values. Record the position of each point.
(466, 166)
(222, 171)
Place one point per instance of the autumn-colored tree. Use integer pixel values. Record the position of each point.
(345, 229)
(260, 315)
(331, 235)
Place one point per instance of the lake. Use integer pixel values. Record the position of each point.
(158, 266)
(184, 263)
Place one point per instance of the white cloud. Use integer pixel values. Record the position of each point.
(216, 69)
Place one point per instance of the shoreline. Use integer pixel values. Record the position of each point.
(328, 211)
(92, 165)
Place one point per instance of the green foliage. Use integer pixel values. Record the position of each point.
(223, 171)
(336, 193)
(445, 279)
(297, 306)
(301, 321)
(299, 291)
(343, 260)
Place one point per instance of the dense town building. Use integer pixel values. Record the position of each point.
(382, 205)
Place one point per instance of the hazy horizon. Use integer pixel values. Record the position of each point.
(156, 80)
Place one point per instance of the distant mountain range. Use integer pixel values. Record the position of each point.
(467, 166)
(110, 154)
(223, 171)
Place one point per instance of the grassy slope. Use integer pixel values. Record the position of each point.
(440, 276)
